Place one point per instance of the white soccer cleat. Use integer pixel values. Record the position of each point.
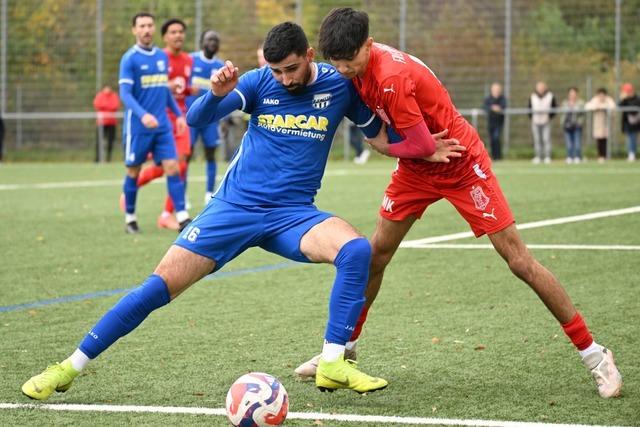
(604, 371)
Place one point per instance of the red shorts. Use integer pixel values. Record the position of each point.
(474, 192)
(183, 141)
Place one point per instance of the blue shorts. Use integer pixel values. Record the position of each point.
(210, 135)
(137, 147)
(222, 231)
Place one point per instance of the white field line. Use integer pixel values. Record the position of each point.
(292, 415)
(118, 182)
(328, 173)
(530, 246)
(525, 226)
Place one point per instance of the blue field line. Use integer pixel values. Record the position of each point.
(111, 292)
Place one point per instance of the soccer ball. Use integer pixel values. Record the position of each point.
(257, 400)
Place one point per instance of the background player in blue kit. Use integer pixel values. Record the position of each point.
(146, 129)
(205, 64)
(266, 200)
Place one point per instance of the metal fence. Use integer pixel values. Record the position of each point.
(55, 54)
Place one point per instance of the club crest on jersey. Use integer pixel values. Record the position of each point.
(321, 100)
(160, 65)
(480, 199)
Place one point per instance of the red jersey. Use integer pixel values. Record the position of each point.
(402, 91)
(106, 104)
(180, 68)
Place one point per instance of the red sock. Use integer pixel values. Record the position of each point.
(168, 203)
(578, 333)
(361, 320)
(149, 174)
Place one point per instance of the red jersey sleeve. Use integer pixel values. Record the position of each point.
(398, 94)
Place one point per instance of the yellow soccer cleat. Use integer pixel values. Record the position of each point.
(57, 377)
(342, 373)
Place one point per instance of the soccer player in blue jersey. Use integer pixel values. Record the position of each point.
(145, 92)
(205, 64)
(266, 200)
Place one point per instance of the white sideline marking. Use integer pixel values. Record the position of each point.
(530, 246)
(328, 173)
(292, 415)
(526, 226)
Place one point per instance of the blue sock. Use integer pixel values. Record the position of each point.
(130, 189)
(126, 315)
(175, 187)
(347, 296)
(211, 175)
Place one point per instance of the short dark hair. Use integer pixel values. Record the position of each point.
(342, 32)
(204, 33)
(170, 22)
(141, 15)
(602, 90)
(283, 40)
(574, 88)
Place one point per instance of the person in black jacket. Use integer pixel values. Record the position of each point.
(494, 105)
(630, 119)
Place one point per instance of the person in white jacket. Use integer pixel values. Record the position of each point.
(602, 105)
(540, 102)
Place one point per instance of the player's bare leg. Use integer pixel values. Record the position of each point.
(337, 242)
(596, 358)
(178, 270)
(385, 241)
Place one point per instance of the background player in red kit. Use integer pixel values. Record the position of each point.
(180, 68)
(406, 94)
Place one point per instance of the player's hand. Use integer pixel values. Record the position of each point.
(225, 79)
(381, 141)
(181, 125)
(149, 121)
(446, 148)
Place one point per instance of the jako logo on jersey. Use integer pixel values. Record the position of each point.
(387, 204)
(388, 89)
(321, 100)
(270, 101)
(479, 198)
(289, 121)
(160, 64)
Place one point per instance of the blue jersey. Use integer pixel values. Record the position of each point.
(144, 89)
(203, 69)
(283, 154)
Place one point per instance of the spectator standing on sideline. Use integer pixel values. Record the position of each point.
(106, 103)
(540, 102)
(630, 119)
(494, 105)
(601, 105)
(572, 122)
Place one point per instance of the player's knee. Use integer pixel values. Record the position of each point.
(210, 154)
(522, 265)
(380, 257)
(355, 254)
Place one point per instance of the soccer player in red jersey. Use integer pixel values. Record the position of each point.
(180, 68)
(407, 95)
